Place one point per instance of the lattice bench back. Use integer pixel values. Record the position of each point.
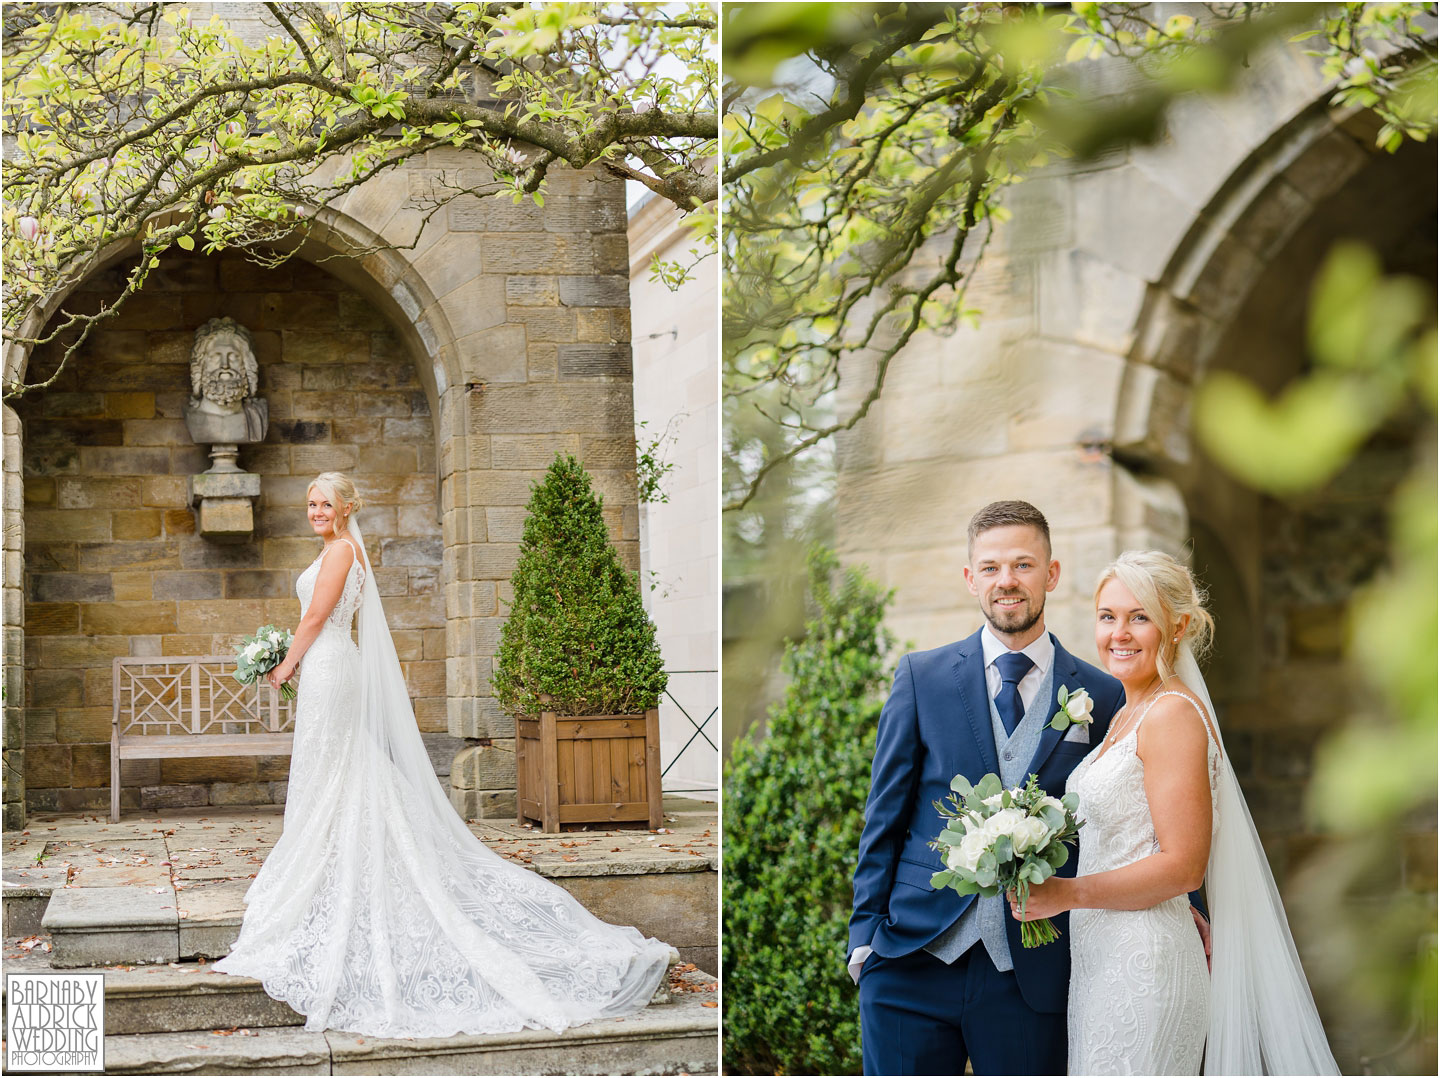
(191, 705)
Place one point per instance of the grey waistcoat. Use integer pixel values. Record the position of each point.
(985, 918)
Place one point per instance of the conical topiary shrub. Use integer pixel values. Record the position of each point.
(577, 634)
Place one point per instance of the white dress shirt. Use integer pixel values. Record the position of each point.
(1041, 652)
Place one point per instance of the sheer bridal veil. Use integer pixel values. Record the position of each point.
(1262, 1015)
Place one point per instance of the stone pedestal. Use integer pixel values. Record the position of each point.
(225, 505)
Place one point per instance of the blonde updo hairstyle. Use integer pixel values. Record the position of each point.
(339, 491)
(1166, 590)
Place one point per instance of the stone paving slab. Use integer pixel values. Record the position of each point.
(219, 863)
(225, 835)
(165, 859)
(114, 862)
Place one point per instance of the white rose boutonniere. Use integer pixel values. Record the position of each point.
(1075, 709)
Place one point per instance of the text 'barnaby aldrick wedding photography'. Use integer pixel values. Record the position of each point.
(55, 1022)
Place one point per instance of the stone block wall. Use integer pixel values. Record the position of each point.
(112, 564)
(13, 657)
(539, 304)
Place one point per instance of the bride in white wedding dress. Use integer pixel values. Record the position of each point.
(378, 912)
(1162, 810)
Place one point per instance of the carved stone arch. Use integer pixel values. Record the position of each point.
(1214, 267)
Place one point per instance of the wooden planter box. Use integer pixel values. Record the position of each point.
(588, 769)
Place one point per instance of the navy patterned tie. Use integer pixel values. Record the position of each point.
(1013, 666)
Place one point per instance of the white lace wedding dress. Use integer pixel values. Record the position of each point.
(378, 912)
(1139, 986)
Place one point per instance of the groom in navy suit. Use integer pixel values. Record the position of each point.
(943, 978)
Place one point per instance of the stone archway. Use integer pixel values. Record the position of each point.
(112, 563)
(517, 324)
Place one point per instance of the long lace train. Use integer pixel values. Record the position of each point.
(378, 911)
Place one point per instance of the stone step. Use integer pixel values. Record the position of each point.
(183, 1018)
(140, 925)
(171, 998)
(179, 996)
(679, 1039)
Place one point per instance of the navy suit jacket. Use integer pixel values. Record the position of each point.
(936, 725)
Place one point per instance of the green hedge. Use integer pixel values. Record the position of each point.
(794, 806)
(577, 630)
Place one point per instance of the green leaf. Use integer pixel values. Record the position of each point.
(185, 243)
(1292, 444)
(961, 785)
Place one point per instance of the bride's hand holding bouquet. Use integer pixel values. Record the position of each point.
(279, 677)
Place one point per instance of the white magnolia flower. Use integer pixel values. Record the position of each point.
(1079, 706)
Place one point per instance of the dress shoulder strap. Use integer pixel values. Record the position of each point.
(1204, 718)
(351, 544)
(354, 549)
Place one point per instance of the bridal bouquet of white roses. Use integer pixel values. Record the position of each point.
(259, 654)
(999, 840)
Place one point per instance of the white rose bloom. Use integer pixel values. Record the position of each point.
(993, 801)
(967, 854)
(1004, 822)
(252, 651)
(1051, 802)
(1079, 706)
(1030, 834)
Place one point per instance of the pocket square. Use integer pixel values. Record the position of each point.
(1078, 732)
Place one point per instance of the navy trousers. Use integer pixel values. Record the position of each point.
(920, 1016)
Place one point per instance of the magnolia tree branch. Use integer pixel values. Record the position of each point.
(152, 127)
(898, 142)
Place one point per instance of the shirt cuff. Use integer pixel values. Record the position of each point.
(857, 960)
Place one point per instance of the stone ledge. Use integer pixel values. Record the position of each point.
(680, 1038)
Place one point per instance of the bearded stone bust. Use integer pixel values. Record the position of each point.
(224, 377)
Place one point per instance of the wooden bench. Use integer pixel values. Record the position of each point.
(191, 706)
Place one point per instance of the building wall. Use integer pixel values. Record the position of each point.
(677, 390)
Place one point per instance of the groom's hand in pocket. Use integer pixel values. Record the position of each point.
(1204, 928)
